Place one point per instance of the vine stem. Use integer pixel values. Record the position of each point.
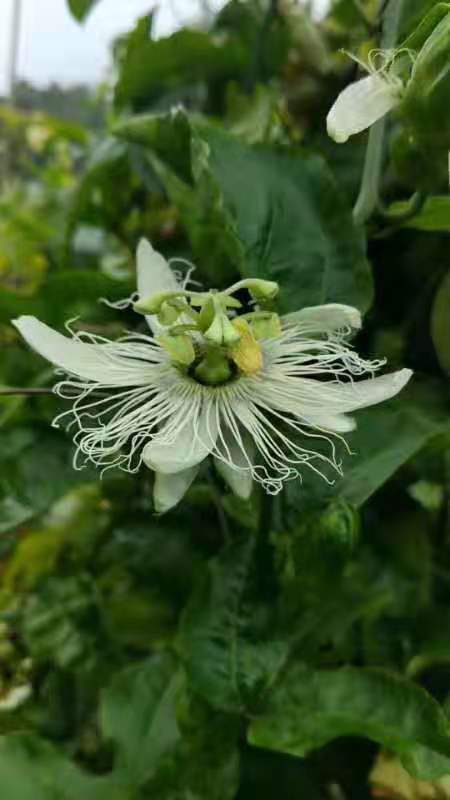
(9, 391)
(368, 197)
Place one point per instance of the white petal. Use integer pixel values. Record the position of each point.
(153, 275)
(87, 361)
(359, 394)
(329, 317)
(191, 445)
(170, 489)
(239, 480)
(339, 423)
(360, 105)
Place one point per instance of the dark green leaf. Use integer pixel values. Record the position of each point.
(433, 216)
(151, 68)
(29, 485)
(289, 221)
(310, 708)
(32, 769)
(440, 323)
(138, 715)
(227, 662)
(388, 435)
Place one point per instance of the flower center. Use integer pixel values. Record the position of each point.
(206, 337)
(213, 368)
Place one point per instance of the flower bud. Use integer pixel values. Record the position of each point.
(153, 303)
(168, 313)
(262, 290)
(265, 326)
(179, 347)
(221, 332)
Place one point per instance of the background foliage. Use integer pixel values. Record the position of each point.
(228, 649)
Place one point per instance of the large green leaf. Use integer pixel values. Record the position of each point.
(227, 662)
(63, 296)
(32, 769)
(152, 67)
(388, 435)
(310, 708)
(43, 473)
(275, 214)
(138, 716)
(175, 746)
(290, 222)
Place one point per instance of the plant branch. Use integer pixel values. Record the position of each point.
(9, 391)
(368, 197)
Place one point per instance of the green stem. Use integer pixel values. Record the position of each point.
(368, 197)
(8, 391)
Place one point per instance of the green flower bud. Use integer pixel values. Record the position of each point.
(221, 332)
(168, 313)
(153, 303)
(206, 316)
(265, 326)
(179, 346)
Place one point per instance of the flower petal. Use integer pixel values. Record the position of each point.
(87, 361)
(328, 318)
(359, 394)
(360, 105)
(239, 479)
(153, 275)
(170, 489)
(338, 423)
(192, 444)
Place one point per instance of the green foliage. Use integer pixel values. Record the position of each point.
(309, 708)
(230, 649)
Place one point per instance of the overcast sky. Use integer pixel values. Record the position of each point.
(54, 46)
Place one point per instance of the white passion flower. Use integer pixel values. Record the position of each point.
(367, 100)
(253, 391)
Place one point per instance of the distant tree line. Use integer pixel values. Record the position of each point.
(77, 103)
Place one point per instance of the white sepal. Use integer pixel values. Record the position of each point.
(90, 362)
(168, 490)
(183, 448)
(153, 276)
(360, 105)
(326, 318)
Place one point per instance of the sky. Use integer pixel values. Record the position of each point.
(53, 46)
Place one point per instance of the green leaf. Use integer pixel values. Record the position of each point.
(227, 662)
(152, 67)
(63, 295)
(177, 746)
(440, 323)
(289, 221)
(433, 216)
(167, 135)
(388, 435)
(32, 769)
(310, 708)
(138, 715)
(59, 622)
(81, 8)
(43, 473)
